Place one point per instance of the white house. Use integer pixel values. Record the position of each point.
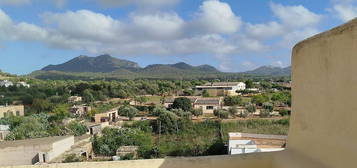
(6, 83)
(23, 84)
(222, 88)
(241, 143)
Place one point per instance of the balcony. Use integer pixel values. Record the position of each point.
(323, 131)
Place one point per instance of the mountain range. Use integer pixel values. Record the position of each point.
(108, 67)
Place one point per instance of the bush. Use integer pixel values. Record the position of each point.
(232, 100)
(128, 111)
(268, 106)
(182, 103)
(284, 112)
(221, 113)
(243, 114)
(77, 129)
(72, 158)
(264, 113)
(233, 111)
(251, 108)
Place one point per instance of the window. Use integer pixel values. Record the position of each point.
(17, 113)
(209, 107)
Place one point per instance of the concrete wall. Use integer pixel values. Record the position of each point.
(324, 94)
(26, 153)
(60, 147)
(22, 155)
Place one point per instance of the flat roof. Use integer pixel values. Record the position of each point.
(30, 142)
(220, 84)
(238, 135)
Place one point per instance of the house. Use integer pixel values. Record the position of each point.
(170, 100)
(207, 104)
(109, 116)
(33, 151)
(4, 131)
(222, 88)
(6, 83)
(14, 110)
(22, 84)
(94, 129)
(74, 99)
(241, 143)
(80, 109)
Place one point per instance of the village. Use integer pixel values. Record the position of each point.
(206, 103)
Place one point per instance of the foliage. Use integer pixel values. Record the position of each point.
(268, 106)
(260, 99)
(113, 138)
(284, 112)
(251, 108)
(249, 83)
(264, 113)
(76, 128)
(197, 112)
(220, 113)
(167, 122)
(205, 93)
(233, 100)
(128, 111)
(182, 103)
(233, 111)
(72, 158)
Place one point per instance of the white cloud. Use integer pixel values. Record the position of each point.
(141, 3)
(295, 16)
(14, 2)
(84, 24)
(158, 25)
(216, 17)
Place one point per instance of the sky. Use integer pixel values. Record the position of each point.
(232, 35)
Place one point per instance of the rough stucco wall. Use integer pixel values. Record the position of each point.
(324, 95)
(21, 155)
(60, 147)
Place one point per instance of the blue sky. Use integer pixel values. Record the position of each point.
(232, 35)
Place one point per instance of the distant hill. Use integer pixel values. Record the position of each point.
(108, 67)
(102, 63)
(270, 71)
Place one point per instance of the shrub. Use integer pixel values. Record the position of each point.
(268, 106)
(221, 113)
(251, 108)
(264, 113)
(72, 158)
(182, 103)
(232, 100)
(284, 112)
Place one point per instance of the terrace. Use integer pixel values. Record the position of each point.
(323, 128)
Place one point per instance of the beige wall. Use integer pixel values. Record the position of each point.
(5, 109)
(26, 154)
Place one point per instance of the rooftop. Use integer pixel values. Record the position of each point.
(30, 142)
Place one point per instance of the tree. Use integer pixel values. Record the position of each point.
(141, 99)
(268, 106)
(41, 105)
(251, 108)
(168, 122)
(233, 111)
(232, 100)
(88, 96)
(128, 111)
(264, 113)
(220, 113)
(205, 93)
(284, 112)
(158, 110)
(76, 128)
(260, 99)
(182, 103)
(197, 112)
(249, 83)
(60, 112)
